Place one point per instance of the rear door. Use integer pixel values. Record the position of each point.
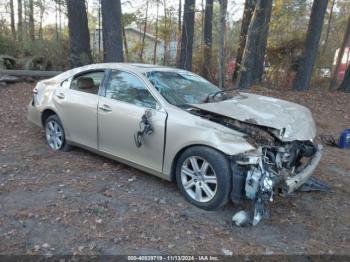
(77, 106)
(121, 108)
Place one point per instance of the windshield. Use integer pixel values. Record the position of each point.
(180, 88)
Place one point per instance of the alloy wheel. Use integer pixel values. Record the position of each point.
(54, 135)
(199, 179)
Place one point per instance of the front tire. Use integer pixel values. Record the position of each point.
(204, 178)
(54, 133)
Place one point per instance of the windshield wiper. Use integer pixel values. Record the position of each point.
(211, 96)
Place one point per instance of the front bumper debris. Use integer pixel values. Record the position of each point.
(293, 183)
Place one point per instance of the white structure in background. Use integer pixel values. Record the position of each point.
(134, 39)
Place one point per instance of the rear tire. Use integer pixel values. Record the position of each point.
(203, 176)
(55, 135)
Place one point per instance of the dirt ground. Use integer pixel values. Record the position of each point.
(81, 203)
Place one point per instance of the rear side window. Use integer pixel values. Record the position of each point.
(128, 88)
(88, 83)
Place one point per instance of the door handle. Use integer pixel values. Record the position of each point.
(105, 108)
(60, 95)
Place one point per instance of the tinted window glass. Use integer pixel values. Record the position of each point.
(88, 83)
(128, 88)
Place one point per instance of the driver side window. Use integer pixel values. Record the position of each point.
(128, 88)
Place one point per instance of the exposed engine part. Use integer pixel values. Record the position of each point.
(288, 155)
(145, 128)
(276, 164)
(255, 135)
(260, 182)
(259, 187)
(252, 183)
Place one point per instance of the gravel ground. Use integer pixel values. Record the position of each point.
(81, 203)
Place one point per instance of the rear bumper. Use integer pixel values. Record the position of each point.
(34, 115)
(293, 183)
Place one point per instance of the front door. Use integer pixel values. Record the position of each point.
(120, 111)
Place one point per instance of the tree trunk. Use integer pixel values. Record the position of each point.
(334, 77)
(187, 35)
(79, 38)
(60, 16)
(12, 14)
(329, 26)
(208, 38)
(41, 17)
(165, 55)
(202, 25)
(112, 31)
(144, 33)
(304, 73)
(56, 20)
(31, 20)
(221, 44)
(178, 49)
(20, 21)
(345, 84)
(247, 17)
(100, 29)
(255, 48)
(156, 42)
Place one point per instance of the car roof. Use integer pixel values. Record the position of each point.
(137, 67)
(134, 67)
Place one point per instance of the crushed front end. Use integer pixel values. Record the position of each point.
(276, 166)
(270, 170)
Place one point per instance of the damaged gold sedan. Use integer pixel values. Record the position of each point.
(217, 145)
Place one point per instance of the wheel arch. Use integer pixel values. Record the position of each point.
(183, 149)
(46, 114)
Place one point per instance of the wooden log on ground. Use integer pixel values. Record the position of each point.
(9, 79)
(30, 73)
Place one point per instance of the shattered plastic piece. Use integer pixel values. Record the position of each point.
(253, 217)
(314, 184)
(45, 245)
(241, 219)
(227, 252)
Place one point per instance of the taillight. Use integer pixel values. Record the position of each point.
(35, 92)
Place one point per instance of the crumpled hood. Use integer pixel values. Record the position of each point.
(269, 112)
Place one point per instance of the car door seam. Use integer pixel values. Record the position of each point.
(164, 143)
